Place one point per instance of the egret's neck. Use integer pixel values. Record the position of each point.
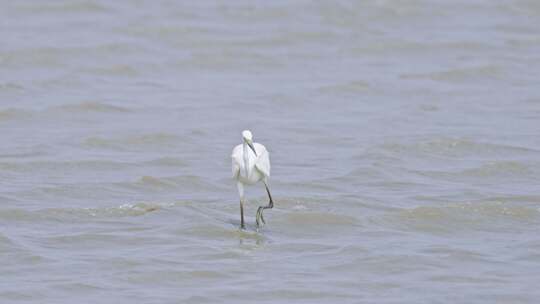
(246, 158)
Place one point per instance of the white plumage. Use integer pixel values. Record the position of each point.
(258, 167)
(251, 164)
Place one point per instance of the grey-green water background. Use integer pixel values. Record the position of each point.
(404, 138)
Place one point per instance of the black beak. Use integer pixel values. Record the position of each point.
(251, 147)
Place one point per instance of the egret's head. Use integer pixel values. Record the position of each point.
(248, 139)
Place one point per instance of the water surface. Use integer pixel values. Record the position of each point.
(404, 140)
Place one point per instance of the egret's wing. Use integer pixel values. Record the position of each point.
(235, 168)
(236, 161)
(263, 160)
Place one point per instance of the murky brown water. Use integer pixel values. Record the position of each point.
(404, 138)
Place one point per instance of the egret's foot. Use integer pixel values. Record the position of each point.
(262, 217)
(259, 218)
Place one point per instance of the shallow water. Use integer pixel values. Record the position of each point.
(404, 140)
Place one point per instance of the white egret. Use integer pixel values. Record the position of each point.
(251, 164)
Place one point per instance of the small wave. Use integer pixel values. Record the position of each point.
(135, 141)
(167, 161)
(74, 214)
(304, 203)
(155, 182)
(33, 166)
(347, 88)
(467, 215)
(90, 106)
(455, 147)
(533, 199)
(228, 60)
(39, 56)
(70, 167)
(317, 218)
(482, 209)
(114, 70)
(462, 74)
(13, 114)
(78, 6)
(177, 277)
(9, 86)
(510, 170)
(499, 168)
(5, 242)
(221, 232)
(389, 46)
(151, 183)
(27, 152)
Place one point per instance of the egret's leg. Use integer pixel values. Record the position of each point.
(242, 214)
(270, 205)
(241, 193)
